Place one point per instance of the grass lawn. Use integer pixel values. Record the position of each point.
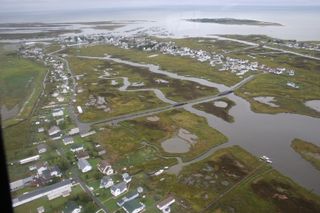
(126, 139)
(308, 151)
(20, 81)
(179, 65)
(58, 204)
(221, 112)
(118, 102)
(271, 192)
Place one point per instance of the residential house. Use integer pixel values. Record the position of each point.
(41, 129)
(40, 209)
(41, 166)
(57, 113)
(126, 177)
(128, 197)
(53, 131)
(74, 131)
(100, 150)
(164, 205)
(29, 159)
(105, 168)
(53, 191)
(79, 109)
(55, 171)
(82, 155)
(106, 182)
(118, 189)
(72, 207)
(19, 184)
(133, 206)
(42, 148)
(84, 165)
(76, 147)
(67, 140)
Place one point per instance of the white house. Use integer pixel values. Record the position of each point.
(133, 206)
(106, 182)
(84, 165)
(76, 147)
(42, 148)
(67, 140)
(74, 131)
(79, 109)
(53, 191)
(164, 205)
(29, 159)
(53, 130)
(105, 168)
(72, 207)
(41, 167)
(126, 177)
(57, 113)
(118, 189)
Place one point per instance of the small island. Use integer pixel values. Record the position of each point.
(232, 21)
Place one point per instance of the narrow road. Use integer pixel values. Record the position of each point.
(149, 112)
(76, 178)
(266, 47)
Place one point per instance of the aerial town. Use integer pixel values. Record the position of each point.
(127, 117)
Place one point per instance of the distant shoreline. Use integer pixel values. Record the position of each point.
(232, 21)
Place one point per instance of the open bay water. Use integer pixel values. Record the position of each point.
(299, 23)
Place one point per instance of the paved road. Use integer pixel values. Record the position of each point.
(76, 178)
(267, 47)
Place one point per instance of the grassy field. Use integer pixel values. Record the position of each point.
(308, 151)
(20, 80)
(124, 143)
(58, 204)
(180, 65)
(117, 101)
(244, 183)
(220, 112)
(268, 192)
(176, 90)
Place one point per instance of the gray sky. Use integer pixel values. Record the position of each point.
(30, 5)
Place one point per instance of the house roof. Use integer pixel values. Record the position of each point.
(42, 146)
(75, 146)
(103, 164)
(70, 206)
(55, 169)
(105, 179)
(132, 205)
(54, 129)
(128, 197)
(165, 202)
(82, 154)
(41, 191)
(121, 186)
(83, 163)
(67, 139)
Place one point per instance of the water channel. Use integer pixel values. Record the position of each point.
(260, 134)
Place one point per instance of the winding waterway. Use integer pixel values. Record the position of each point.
(260, 134)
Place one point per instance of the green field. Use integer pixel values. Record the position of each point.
(58, 204)
(221, 112)
(308, 151)
(180, 65)
(20, 80)
(124, 142)
(268, 192)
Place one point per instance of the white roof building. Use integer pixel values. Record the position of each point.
(84, 165)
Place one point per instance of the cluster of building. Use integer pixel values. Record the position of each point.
(296, 44)
(223, 63)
